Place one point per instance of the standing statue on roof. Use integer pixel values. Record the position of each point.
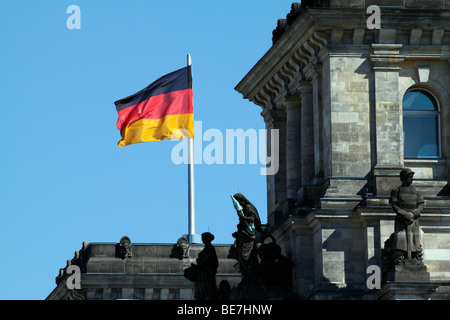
(249, 223)
(203, 273)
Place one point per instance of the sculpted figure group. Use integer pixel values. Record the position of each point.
(262, 266)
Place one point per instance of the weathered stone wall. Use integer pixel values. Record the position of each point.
(436, 242)
(350, 116)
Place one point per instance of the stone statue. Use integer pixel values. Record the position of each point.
(245, 239)
(204, 272)
(124, 248)
(275, 268)
(408, 204)
(183, 247)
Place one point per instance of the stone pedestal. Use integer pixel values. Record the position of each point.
(408, 281)
(407, 291)
(411, 271)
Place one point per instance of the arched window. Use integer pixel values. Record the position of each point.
(421, 125)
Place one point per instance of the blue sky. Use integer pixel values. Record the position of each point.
(63, 178)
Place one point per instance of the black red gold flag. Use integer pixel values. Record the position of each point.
(163, 110)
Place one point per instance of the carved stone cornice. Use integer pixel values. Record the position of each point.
(76, 295)
(386, 56)
(311, 34)
(79, 259)
(271, 116)
(292, 102)
(310, 72)
(288, 76)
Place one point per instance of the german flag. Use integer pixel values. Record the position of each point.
(163, 110)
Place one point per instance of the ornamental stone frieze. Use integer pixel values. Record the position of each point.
(287, 78)
(309, 34)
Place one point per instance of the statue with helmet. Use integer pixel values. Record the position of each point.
(408, 204)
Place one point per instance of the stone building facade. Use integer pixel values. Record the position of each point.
(341, 96)
(136, 271)
(344, 99)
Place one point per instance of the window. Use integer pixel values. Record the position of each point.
(421, 125)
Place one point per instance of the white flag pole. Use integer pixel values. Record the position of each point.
(191, 198)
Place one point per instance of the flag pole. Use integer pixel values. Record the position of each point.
(191, 199)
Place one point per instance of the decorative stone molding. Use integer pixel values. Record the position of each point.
(287, 80)
(414, 36)
(283, 24)
(79, 259)
(76, 295)
(423, 74)
(274, 115)
(386, 56)
(437, 37)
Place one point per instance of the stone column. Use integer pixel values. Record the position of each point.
(314, 74)
(388, 128)
(317, 112)
(307, 138)
(276, 184)
(293, 148)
